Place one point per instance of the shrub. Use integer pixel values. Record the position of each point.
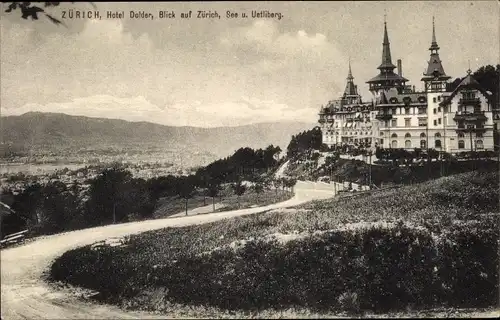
(449, 260)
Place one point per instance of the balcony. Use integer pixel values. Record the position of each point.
(383, 116)
(471, 128)
(470, 116)
(469, 102)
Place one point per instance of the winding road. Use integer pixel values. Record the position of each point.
(25, 295)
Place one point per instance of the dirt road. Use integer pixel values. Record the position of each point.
(26, 296)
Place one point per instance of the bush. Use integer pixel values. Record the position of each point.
(450, 259)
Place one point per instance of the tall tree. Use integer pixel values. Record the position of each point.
(239, 189)
(214, 189)
(186, 188)
(106, 193)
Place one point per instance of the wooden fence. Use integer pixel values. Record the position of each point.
(13, 238)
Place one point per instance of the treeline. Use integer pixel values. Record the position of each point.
(244, 164)
(306, 140)
(115, 196)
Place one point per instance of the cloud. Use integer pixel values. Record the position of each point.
(263, 36)
(182, 113)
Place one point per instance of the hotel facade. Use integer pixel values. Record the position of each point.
(462, 119)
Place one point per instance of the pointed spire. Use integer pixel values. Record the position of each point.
(434, 45)
(435, 67)
(433, 31)
(349, 75)
(386, 51)
(350, 88)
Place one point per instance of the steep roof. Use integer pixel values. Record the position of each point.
(468, 82)
(435, 67)
(350, 88)
(386, 52)
(386, 68)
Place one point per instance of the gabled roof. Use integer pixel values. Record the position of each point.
(468, 82)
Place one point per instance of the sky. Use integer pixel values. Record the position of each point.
(228, 71)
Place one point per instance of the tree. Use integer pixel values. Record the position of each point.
(277, 184)
(290, 183)
(186, 187)
(106, 192)
(214, 189)
(239, 189)
(258, 188)
(28, 9)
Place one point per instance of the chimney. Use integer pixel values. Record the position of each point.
(400, 68)
(413, 88)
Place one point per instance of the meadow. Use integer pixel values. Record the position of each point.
(424, 246)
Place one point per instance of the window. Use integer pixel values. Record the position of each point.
(393, 122)
(479, 144)
(461, 144)
(439, 120)
(394, 110)
(439, 109)
(434, 100)
(439, 98)
(381, 134)
(461, 135)
(437, 143)
(407, 144)
(434, 110)
(468, 95)
(394, 135)
(408, 135)
(394, 144)
(435, 122)
(407, 110)
(382, 141)
(421, 111)
(422, 122)
(407, 122)
(422, 135)
(479, 135)
(437, 135)
(423, 144)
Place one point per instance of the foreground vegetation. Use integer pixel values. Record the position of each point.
(428, 245)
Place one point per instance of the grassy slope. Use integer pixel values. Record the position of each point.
(436, 204)
(172, 205)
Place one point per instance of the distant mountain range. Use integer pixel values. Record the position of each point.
(56, 131)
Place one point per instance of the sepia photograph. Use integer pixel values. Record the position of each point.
(250, 159)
